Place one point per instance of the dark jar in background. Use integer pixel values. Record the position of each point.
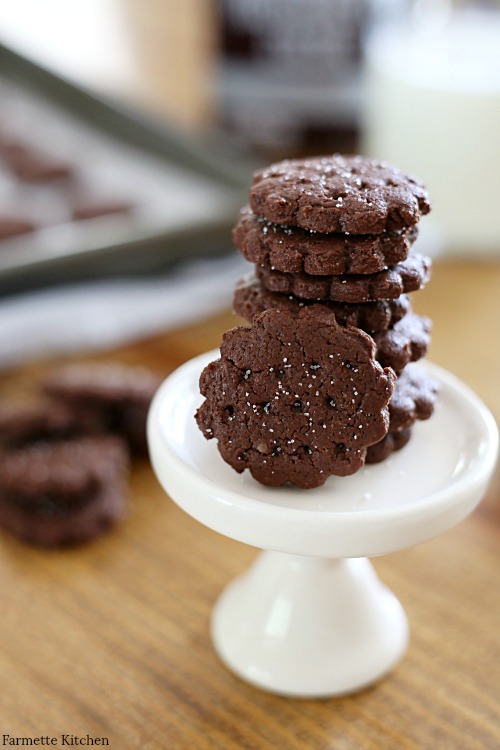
(289, 72)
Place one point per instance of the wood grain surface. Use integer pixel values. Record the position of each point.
(111, 640)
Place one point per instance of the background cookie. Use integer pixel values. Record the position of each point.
(408, 276)
(21, 424)
(338, 194)
(63, 492)
(117, 395)
(295, 398)
(293, 249)
(12, 227)
(251, 297)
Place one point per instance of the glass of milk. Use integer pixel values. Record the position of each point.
(432, 107)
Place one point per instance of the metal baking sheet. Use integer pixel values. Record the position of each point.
(184, 194)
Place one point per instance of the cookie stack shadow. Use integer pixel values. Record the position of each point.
(339, 232)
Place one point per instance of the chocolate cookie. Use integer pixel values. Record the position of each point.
(251, 297)
(413, 399)
(408, 276)
(63, 492)
(21, 424)
(116, 394)
(30, 165)
(392, 442)
(13, 227)
(338, 194)
(295, 397)
(406, 342)
(92, 210)
(293, 249)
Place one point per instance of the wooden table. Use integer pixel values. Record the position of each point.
(111, 640)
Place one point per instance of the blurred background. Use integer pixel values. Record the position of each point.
(129, 131)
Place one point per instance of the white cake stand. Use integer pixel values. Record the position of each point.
(310, 618)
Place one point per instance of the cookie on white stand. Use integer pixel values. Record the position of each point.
(310, 618)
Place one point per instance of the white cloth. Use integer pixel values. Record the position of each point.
(107, 313)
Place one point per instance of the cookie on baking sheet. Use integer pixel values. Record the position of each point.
(31, 165)
(392, 442)
(13, 227)
(63, 492)
(293, 249)
(414, 398)
(84, 210)
(408, 276)
(116, 394)
(295, 397)
(338, 194)
(251, 297)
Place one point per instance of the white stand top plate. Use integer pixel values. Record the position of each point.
(299, 622)
(415, 494)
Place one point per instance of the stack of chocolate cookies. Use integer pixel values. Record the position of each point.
(331, 239)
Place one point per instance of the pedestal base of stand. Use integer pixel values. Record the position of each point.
(309, 627)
